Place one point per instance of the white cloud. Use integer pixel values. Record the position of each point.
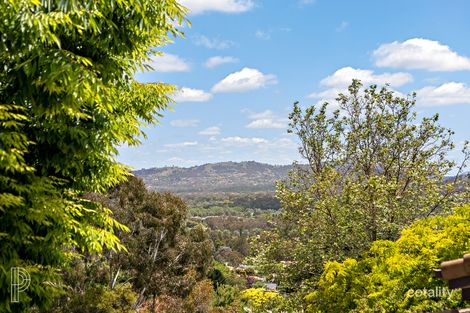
(419, 53)
(244, 140)
(212, 43)
(219, 60)
(445, 94)
(266, 119)
(266, 123)
(245, 80)
(259, 115)
(226, 6)
(184, 123)
(342, 78)
(181, 144)
(178, 161)
(327, 95)
(279, 144)
(191, 95)
(169, 63)
(210, 131)
(265, 35)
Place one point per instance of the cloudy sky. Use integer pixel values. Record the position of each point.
(244, 62)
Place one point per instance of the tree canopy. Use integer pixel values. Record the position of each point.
(68, 99)
(372, 168)
(164, 257)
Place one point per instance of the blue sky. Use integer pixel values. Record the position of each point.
(244, 62)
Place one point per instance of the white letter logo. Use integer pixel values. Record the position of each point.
(20, 281)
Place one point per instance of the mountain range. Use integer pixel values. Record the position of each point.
(238, 177)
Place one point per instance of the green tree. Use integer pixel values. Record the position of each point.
(372, 168)
(389, 274)
(67, 100)
(164, 256)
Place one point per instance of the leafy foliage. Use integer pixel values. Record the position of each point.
(67, 100)
(373, 168)
(163, 256)
(201, 297)
(226, 296)
(222, 275)
(259, 300)
(99, 298)
(389, 274)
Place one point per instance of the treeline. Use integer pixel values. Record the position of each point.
(249, 200)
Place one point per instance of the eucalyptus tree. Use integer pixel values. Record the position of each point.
(165, 257)
(68, 98)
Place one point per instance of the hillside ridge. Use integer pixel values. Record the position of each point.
(247, 176)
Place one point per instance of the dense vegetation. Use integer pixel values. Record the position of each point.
(68, 99)
(165, 260)
(357, 227)
(373, 169)
(383, 279)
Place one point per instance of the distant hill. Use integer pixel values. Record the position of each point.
(215, 177)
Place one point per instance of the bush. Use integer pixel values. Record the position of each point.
(201, 297)
(259, 300)
(222, 275)
(100, 299)
(226, 296)
(383, 280)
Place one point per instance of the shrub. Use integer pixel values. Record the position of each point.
(259, 300)
(382, 280)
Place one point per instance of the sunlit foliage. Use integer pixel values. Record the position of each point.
(389, 275)
(372, 168)
(68, 99)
